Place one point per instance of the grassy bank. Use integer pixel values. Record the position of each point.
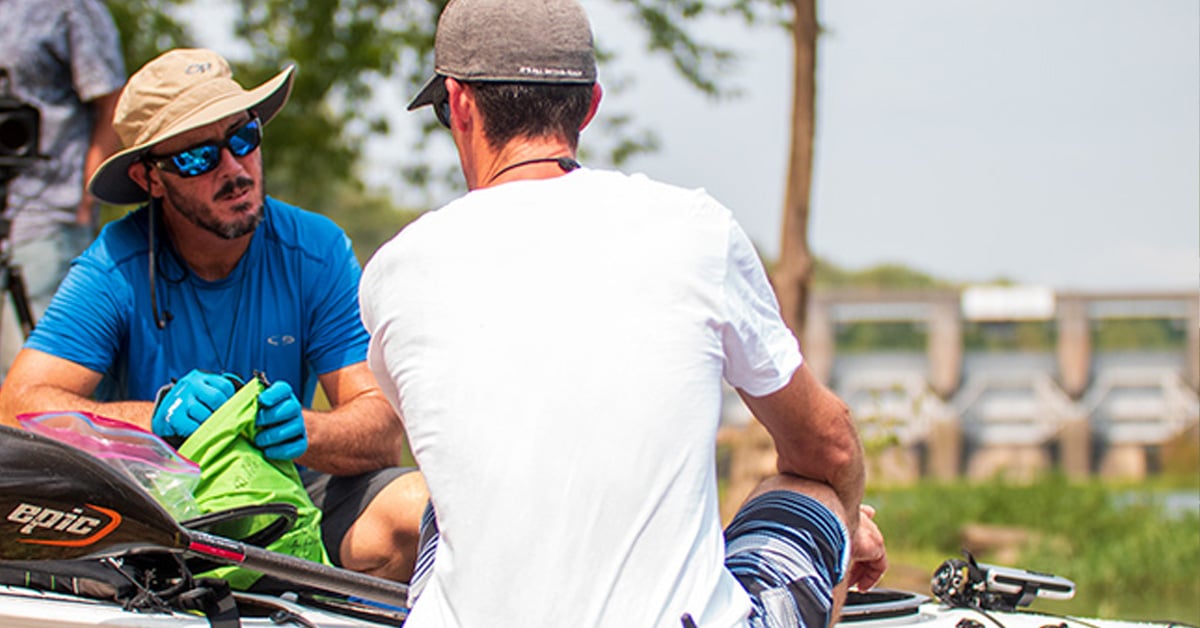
(1129, 557)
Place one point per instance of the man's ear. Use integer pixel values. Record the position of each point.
(139, 171)
(597, 92)
(460, 102)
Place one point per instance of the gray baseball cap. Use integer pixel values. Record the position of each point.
(524, 41)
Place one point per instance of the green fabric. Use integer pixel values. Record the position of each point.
(233, 472)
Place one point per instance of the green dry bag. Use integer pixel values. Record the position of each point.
(235, 473)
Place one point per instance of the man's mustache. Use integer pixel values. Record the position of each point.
(232, 187)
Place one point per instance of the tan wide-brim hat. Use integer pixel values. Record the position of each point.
(178, 91)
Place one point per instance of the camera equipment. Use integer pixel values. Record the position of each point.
(968, 584)
(20, 125)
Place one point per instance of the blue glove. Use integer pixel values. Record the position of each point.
(181, 407)
(280, 422)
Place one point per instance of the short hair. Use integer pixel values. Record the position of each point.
(512, 110)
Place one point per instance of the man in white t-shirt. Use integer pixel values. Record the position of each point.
(555, 342)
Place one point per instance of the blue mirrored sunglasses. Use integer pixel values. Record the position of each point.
(201, 158)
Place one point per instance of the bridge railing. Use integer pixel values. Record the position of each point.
(1140, 406)
(898, 403)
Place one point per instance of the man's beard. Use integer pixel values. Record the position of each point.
(249, 212)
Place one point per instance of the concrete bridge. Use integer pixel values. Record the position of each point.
(980, 413)
(954, 412)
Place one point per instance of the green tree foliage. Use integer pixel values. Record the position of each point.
(374, 220)
(1139, 334)
(1018, 336)
(901, 336)
(148, 28)
(342, 49)
(827, 274)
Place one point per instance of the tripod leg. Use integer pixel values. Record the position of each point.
(20, 299)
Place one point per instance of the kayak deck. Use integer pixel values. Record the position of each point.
(21, 607)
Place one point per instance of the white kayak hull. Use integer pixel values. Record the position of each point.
(21, 607)
(935, 615)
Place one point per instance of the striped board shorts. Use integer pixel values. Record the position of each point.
(786, 549)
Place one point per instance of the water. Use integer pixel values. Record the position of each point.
(1175, 504)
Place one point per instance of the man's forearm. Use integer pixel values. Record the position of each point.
(53, 399)
(815, 437)
(849, 482)
(839, 464)
(358, 436)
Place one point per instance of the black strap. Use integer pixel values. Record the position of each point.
(214, 598)
(285, 517)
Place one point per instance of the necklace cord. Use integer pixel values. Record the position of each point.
(223, 361)
(566, 163)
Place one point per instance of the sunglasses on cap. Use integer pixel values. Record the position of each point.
(202, 158)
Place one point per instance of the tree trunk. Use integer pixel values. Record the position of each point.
(794, 271)
(752, 452)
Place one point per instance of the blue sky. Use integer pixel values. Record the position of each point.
(1051, 142)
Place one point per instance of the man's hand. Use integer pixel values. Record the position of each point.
(281, 434)
(868, 557)
(181, 408)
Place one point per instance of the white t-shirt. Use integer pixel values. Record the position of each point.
(555, 348)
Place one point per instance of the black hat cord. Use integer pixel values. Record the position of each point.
(160, 320)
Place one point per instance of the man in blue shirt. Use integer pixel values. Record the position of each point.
(213, 277)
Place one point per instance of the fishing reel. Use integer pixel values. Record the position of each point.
(969, 584)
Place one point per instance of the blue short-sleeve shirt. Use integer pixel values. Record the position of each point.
(288, 310)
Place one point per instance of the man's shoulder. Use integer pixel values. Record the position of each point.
(672, 206)
(120, 241)
(640, 184)
(296, 227)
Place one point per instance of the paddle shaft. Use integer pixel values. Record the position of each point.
(297, 570)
